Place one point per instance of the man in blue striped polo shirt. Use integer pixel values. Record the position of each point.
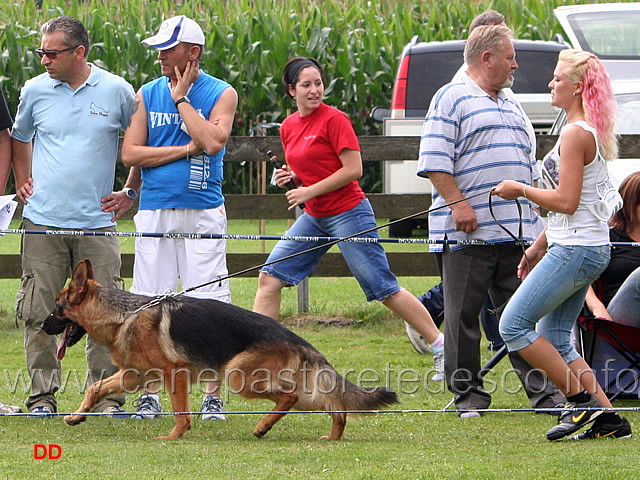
(475, 136)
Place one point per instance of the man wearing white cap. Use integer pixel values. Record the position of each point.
(176, 144)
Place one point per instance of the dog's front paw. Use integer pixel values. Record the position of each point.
(171, 436)
(74, 420)
(260, 432)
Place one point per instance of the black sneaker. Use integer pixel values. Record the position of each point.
(602, 428)
(573, 420)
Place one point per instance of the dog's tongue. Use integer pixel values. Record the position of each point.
(62, 346)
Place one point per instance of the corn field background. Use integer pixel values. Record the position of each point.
(249, 41)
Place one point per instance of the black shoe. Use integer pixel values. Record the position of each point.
(602, 428)
(573, 420)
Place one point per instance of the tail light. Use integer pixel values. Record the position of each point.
(399, 97)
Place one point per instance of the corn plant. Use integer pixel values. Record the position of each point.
(248, 43)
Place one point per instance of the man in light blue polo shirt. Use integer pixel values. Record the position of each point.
(65, 178)
(473, 137)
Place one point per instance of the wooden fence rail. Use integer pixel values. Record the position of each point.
(274, 206)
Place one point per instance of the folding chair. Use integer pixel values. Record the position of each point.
(625, 340)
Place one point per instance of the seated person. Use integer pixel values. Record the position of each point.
(619, 285)
(616, 294)
(624, 306)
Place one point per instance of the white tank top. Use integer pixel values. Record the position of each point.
(598, 200)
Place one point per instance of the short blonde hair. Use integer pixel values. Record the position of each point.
(488, 17)
(483, 38)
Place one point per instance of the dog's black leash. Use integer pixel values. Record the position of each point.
(519, 241)
(520, 238)
(166, 296)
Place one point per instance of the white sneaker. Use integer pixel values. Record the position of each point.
(212, 408)
(147, 408)
(470, 414)
(4, 408)
(418, 342)
(117, 412)
(438, 365)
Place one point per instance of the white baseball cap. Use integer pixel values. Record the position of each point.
(173, 31)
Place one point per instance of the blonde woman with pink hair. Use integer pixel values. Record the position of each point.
(573, 250)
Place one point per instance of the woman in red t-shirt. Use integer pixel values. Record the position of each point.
(323, 159)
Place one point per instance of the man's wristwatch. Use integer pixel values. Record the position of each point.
(131, 193)
(182, 99)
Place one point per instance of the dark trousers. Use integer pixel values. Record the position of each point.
(433, 300)
(468, 276)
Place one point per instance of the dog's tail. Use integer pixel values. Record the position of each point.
(326, 389)
(296, 375)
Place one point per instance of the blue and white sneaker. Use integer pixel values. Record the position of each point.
(147, 408)
(41, 411)
(212, 408)
(438, 366)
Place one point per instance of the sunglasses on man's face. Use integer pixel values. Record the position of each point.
(52, 54)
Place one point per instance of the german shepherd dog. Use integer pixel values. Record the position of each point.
(178, 338)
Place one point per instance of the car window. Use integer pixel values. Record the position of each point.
(535, 70)
(610, 35)
(428, 72)
(628, 120)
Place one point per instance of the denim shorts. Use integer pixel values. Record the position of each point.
(367, 261)
(551, 297)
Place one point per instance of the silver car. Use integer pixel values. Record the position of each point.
(612, 32)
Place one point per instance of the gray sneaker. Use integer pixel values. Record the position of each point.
(418, 342)
(438, 365)
(147, 408)
(212, 408)
(4, 408)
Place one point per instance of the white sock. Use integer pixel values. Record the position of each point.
(438, 344)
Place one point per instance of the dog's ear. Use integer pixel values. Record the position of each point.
(78, 285)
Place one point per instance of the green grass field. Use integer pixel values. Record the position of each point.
(384, 446)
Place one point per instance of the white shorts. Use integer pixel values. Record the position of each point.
(159, 262)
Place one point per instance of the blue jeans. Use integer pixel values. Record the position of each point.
(367, 261)
(552, 297)
(624, 307)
